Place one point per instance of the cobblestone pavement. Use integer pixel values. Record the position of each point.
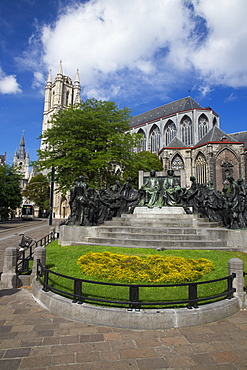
(33, 338)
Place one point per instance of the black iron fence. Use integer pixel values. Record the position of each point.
(26, 250)
(78, 295)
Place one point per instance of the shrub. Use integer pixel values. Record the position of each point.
(145, 269)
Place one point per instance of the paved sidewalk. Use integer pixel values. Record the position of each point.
(33, 338)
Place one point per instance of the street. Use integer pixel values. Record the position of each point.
(10, 233)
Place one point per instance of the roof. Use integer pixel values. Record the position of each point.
(240, 136)
(215, 134)
(176, 143)
(180, 105)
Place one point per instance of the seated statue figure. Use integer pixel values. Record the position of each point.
(151, 190)
(171, 190)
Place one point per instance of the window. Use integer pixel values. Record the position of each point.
(155, 139)
(201, 169)
(170, 132)
(143, 143)
(202, 126)
(186, 131)
(177, 162)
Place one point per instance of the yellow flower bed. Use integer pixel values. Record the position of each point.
(135, 269)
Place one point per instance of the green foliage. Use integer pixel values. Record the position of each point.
(38, 191)
(10, 190)
(90, 139)
(64, 260)
(143, 161)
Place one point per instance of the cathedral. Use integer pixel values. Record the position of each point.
(188, 139)
(185, 136)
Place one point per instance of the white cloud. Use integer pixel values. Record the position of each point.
(222, 57)
(138, 44)
(8, 84)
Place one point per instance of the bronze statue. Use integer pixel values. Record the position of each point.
(171, 190)
(151, 190)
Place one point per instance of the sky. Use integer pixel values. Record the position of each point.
(138, 53)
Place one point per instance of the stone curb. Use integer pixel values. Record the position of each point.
(142, 320)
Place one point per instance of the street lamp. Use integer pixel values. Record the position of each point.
(51, 194)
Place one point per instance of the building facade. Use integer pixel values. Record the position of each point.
(188, 139)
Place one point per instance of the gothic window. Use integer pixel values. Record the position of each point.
(155, 139)
(201, 169)
(170, 132)
(202, 126)
(186, 130)
(67, 98)
(177, 162)
(142, 147)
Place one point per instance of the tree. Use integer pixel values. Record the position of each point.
(143, 161)
(91, 139)
(10, 190)
(38, 191)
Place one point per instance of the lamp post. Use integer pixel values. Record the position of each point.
(51, 194)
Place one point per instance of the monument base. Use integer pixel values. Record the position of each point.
(159, 211)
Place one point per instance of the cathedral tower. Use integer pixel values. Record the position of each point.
(22, 162)
(59, 94)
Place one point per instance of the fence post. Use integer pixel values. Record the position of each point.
(236, 265)
(192, 296)
(9, 275)
(39, 254)
(134, 298)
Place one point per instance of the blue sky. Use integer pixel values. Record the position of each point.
(137, 53)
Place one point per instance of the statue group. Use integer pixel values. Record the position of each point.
(90, 207)
(227, 207)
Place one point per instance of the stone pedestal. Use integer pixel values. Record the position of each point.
(9, 276)
(159, 211)
(236, 265)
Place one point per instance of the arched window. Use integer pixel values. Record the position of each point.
(67, 98)
(170, 132)
(201, 169)
(214, 121)
(202, 125)
(155, 139)
(177, 162)
(143, 143)
(186, 131)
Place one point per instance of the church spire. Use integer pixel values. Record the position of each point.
(22, 142)
(60, 69)
(49, 79)
(77, 77)
(77, 89)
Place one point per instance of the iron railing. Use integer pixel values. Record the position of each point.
(43, 276)
(26, 250)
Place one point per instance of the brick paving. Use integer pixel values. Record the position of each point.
(33, 338)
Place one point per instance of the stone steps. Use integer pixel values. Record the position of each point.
(152, 229)
(160, 222)
(151, 236)
(168, 228)
(158, 244)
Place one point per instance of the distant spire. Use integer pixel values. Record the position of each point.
(60, 68)
(77, 77)
(49, 79)
(22, 142)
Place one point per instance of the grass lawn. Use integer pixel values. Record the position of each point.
(63, 260)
